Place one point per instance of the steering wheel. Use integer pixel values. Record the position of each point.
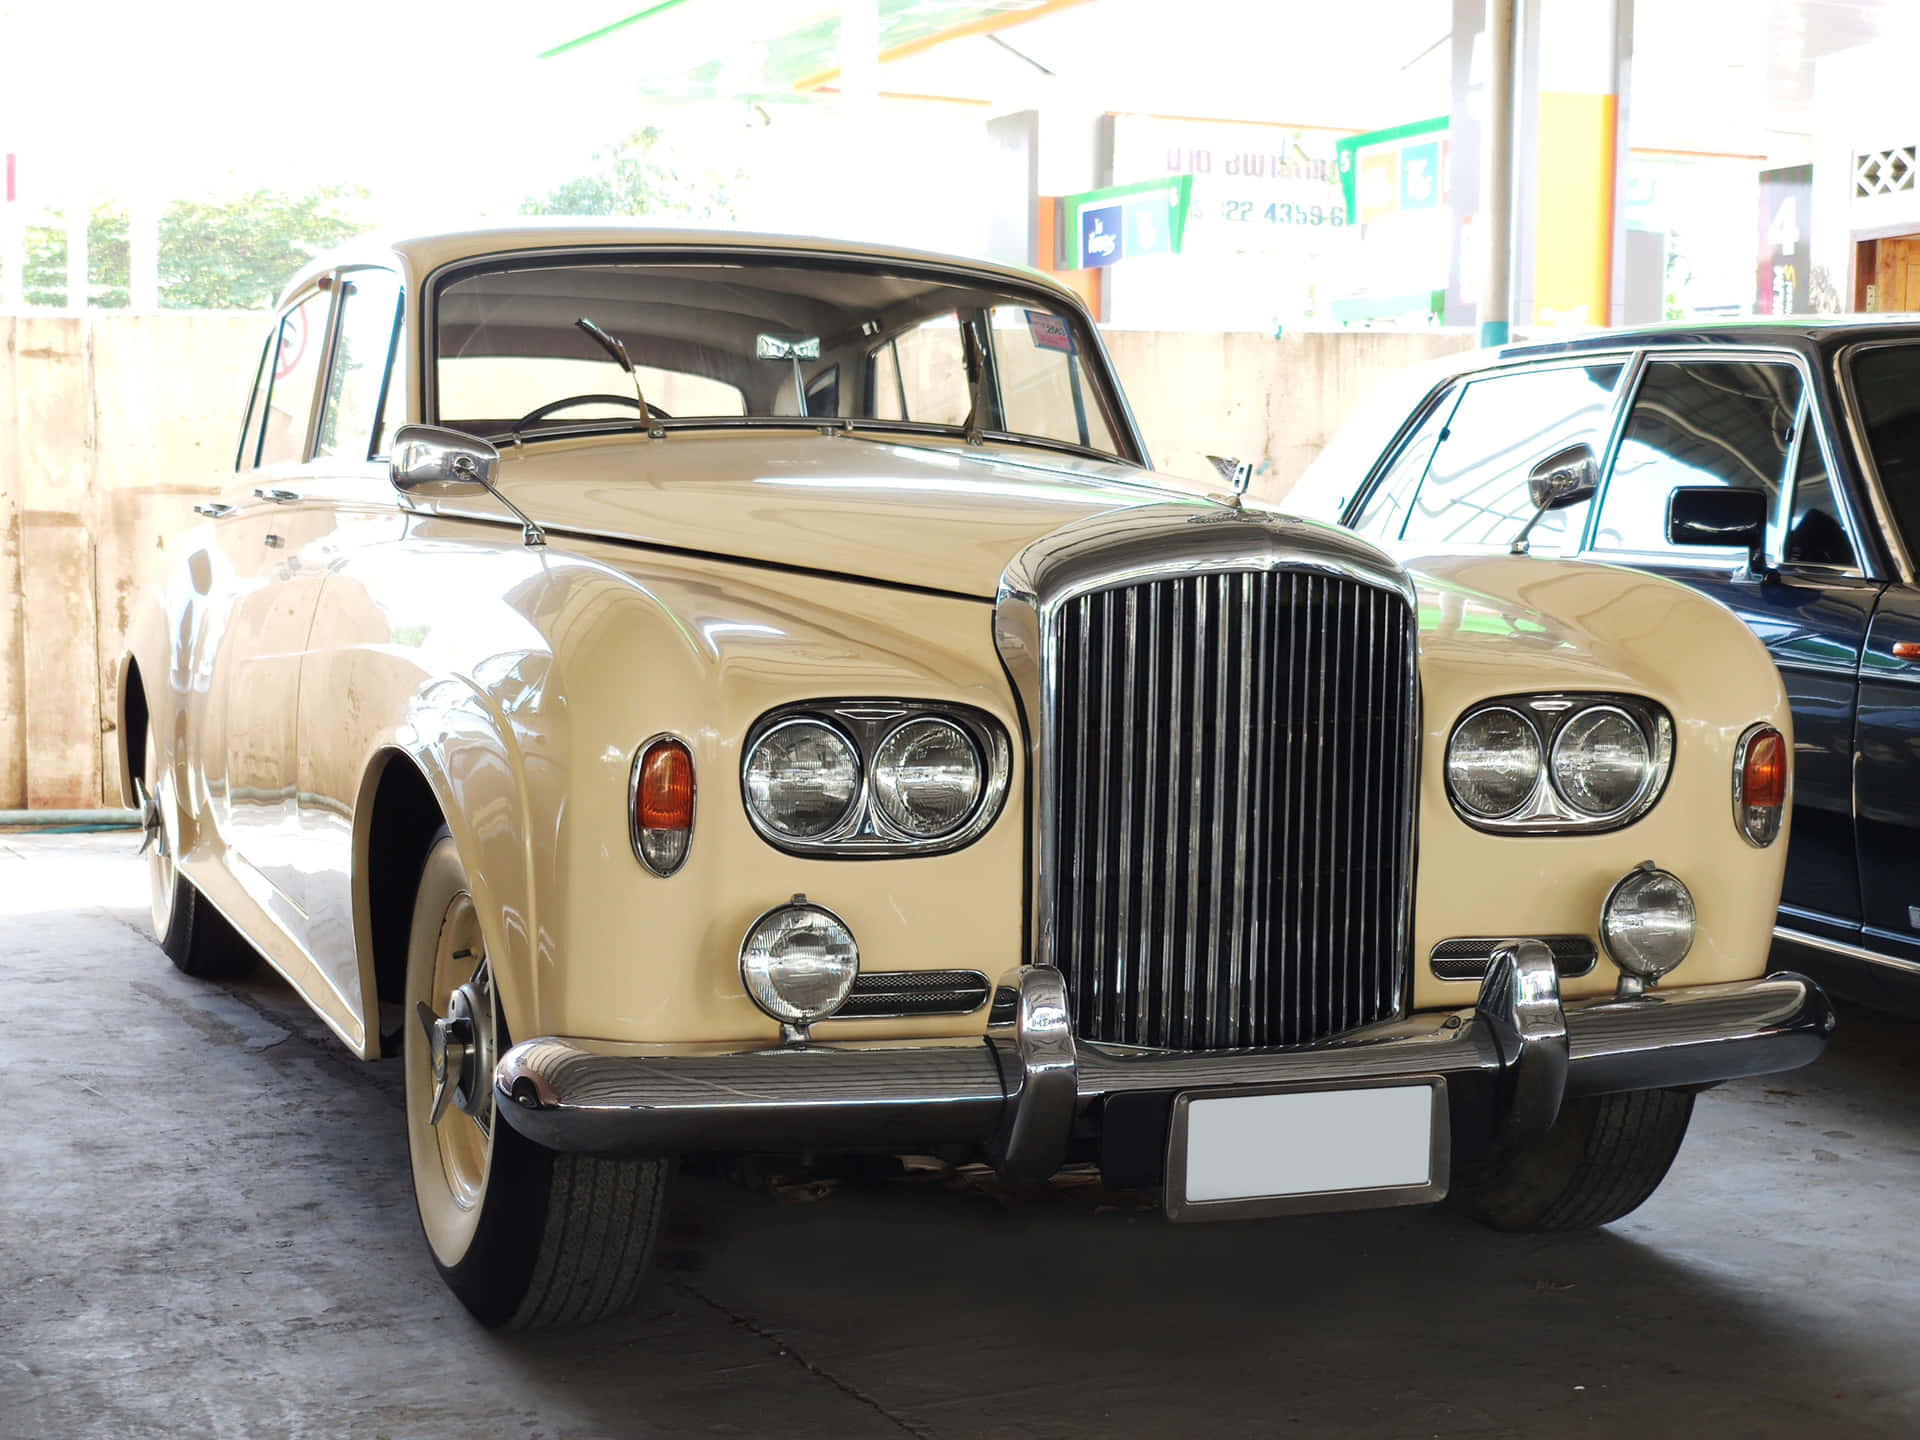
(543, 411)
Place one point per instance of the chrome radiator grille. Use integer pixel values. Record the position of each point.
(1233, 762)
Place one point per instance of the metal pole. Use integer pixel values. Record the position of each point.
(1503, 72)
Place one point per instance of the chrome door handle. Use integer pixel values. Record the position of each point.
(212, 509)
(279, 497)
(274, 542)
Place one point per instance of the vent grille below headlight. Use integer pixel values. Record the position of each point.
(901, 993)
(1468, 959)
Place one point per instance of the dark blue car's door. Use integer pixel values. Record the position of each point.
(1888, 777)
(1699, 420)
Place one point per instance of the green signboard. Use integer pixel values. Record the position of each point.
(1121, 222)
(1395, 171)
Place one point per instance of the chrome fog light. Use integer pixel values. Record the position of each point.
(1647, 922)
(798, 963)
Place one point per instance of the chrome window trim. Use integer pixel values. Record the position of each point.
(254, 397)
(1841, 948)
(1545, 811)
(865, 833)
(1776, 525)
(1120, 419)
(1895, 542)
(1174, 540)
(340, 280)
(633, 802)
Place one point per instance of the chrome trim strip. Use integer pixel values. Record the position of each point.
(1846, 951)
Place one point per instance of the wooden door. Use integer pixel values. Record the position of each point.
(1896, 275)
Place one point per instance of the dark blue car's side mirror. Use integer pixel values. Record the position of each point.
(1720, 515)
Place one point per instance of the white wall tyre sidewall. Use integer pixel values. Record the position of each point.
(450, 1211)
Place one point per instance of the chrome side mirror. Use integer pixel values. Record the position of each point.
(432, 461)
(1237, 473)
(1564, 478)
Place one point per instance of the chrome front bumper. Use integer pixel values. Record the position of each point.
(1021, 1091)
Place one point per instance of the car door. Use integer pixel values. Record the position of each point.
(351, 505)
(1744, 419)
(248, 748)
(1459, 479)
(1885, 388)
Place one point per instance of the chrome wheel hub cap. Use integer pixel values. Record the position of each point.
(153, 831)
(460, 1048)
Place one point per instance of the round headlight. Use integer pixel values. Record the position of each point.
(1647, 922)
(1493, 762)
(802, 779)
(1601, 761)
(798, 962)
(926, 778)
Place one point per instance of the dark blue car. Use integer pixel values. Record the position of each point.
(1775, 467)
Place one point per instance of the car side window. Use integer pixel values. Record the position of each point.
(292, 381)
(1721, 422)
(1475, 491)
(929, 372)
(1385, 509)
(1816, 535)
(256, 405)
(350, 420)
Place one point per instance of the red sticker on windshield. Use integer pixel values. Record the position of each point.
(1050, 332)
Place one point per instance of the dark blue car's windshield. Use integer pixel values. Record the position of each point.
(1886, 385)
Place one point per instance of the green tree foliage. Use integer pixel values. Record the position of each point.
(214, 255)
(237, 255)
(636, 177)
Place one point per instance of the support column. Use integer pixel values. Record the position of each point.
(1496, 172)
(77, 218)
(143, 254)
(1582, 50)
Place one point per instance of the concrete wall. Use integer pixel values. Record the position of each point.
(111, 426)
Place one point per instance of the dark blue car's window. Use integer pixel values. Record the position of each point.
(1697, 423)
(1475, 492)
(1886, 383)
(1816, 535)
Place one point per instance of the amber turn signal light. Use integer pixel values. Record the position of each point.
(662, 804)
(1760, 784)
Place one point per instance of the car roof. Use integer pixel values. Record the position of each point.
(425, 253)
(1807, 333)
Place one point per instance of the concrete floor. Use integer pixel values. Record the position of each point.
(206, 1229)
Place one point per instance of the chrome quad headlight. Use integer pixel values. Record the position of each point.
(875, 777)
(1559, 762)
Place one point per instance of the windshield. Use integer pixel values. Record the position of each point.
(716, 340)
(1886, 387)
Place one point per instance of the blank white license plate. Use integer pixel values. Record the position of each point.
(1366, 1145)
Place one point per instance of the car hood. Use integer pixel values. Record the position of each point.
(929, 513)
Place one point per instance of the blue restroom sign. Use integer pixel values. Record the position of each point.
(1103, 235)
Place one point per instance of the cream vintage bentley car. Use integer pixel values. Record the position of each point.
(705, 695)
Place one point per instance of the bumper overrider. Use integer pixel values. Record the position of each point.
(1033, 1095)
